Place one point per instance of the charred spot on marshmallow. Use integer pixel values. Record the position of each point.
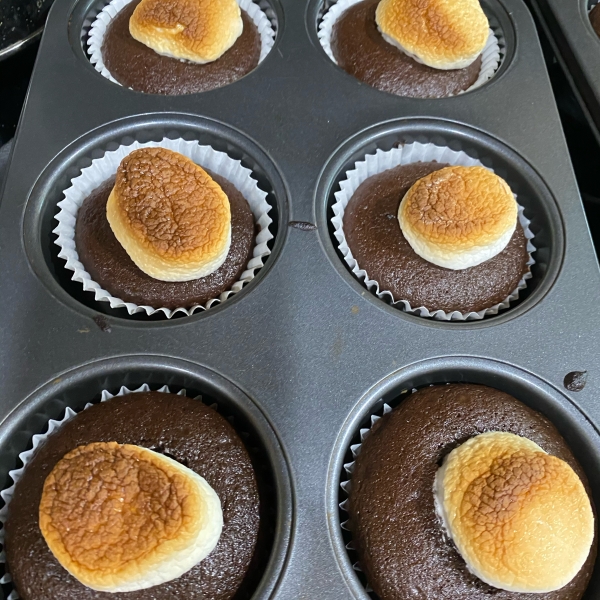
(170, 216)
(458, 217)
(520, 518)
(196, 30)
(443, 34)
(121, 518)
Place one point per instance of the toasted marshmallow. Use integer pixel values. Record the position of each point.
(458, 217)
(121, 518)
(520, 518)
(200, 31)
(443, 34)
(171, 217)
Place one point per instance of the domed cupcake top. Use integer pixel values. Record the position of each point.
(122, 518)
(443, 34)
(520, 518)
(196, 30)
(171, 217)
(458, 217)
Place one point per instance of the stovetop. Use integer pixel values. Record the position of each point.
(15, 72)
(583, 147)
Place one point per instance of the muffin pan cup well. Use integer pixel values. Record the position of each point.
(46, 411)
(408, 141)
(304, 340)
(491, 54)
(54, 202)
(582, 438)
(110, 11)
(577, 48)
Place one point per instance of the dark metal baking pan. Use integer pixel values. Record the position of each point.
(577, 48)
(305, 342)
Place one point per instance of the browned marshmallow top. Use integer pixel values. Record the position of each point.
(171, 217)
(196, 30)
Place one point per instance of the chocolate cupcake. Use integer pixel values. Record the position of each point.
(595, 18)
(434, 232)
(398, 47)
(140, 45)
(165, 235)
(453, 461)
(175, 511)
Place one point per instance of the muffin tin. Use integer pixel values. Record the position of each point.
(304, 353)
(577, 48)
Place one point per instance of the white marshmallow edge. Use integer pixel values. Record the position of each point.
(459, 64)
(457, 261)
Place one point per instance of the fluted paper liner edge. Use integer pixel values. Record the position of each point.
(381, 161)
(105, 168)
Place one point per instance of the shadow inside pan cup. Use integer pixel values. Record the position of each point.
(265, 15)
(83, 385)
(40, 221)
(497, 58)
(580, 434)
(532, 194)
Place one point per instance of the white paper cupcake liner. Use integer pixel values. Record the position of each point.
(37, 441)
(105, 168)
(381, 161)
(110, 11)
(346, 484)
(490, 57)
